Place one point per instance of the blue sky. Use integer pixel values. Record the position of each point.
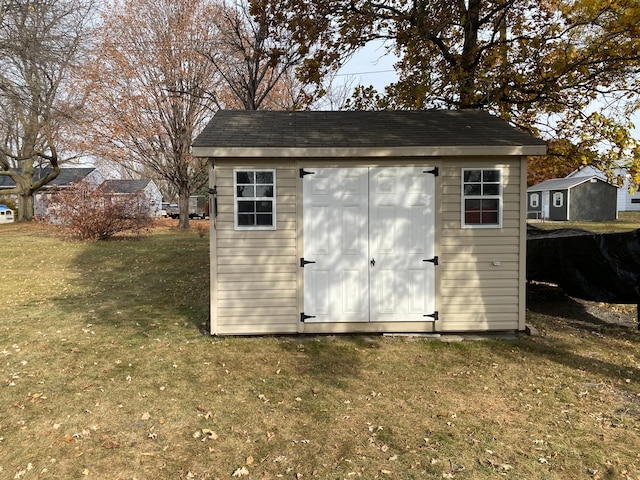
(373, 65)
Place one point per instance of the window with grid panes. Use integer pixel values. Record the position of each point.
(482, 197)
(254, 199)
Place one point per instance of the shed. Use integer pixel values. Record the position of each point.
(628, 199)
(573, 198)
(388, 221)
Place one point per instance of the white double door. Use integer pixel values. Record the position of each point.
(370, 235)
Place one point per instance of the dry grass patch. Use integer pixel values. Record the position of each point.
(104, 373)
(626, 222)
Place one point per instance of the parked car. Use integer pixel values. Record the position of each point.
(6, 214)
(173, 210)
(198, 207)
(163, 210)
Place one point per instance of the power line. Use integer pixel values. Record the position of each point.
(364, 73)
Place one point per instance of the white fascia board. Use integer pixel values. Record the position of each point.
(338, 152)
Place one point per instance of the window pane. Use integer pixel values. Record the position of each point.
(246, 219)
(265, 219)
(491, 189)
(489, 218)
(245, 191)
(244, 177)
(264, 191)
(472, 218)
(491, 175)
(264, 207)
(472, 189)
(264, 177)
(246, 207)
(472, 205)
(472, 175)
(490, 205)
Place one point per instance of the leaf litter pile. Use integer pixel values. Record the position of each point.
(105, 373)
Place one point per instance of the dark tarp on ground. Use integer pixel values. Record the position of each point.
(591, 266)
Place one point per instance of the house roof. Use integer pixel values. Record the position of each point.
(66, 176)
(561, 183)
(362, 133)
(125, 186)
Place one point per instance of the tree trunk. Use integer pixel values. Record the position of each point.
(183, 204)
(25, 207)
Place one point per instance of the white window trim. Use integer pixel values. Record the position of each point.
(271, 199)
(534, 200)
(559, 195)
(472, 197)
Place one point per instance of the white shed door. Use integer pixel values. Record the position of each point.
(369, 234)
(336, 238)
(401, 232)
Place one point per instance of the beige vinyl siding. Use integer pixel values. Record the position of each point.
(256, 290)
(473, 293)
(258, 284)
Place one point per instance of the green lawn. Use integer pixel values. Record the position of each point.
(105, 373)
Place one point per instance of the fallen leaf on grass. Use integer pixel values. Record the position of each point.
(110, 444)
(209, 434)
(145, 416)
(240, 472)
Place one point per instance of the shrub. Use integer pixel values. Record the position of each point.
(90, 213)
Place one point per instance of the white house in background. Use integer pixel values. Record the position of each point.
(627, 202)
(65, 178)
(129, 187)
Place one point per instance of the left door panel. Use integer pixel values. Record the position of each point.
(336, 238)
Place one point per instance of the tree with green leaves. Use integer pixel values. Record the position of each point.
(563, 69)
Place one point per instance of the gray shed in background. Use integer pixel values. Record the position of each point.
(575, 198)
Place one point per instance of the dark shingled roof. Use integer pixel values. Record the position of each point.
(66, 176)
(125, 186)
(432, 128)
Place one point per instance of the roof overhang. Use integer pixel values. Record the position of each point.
(360, 152)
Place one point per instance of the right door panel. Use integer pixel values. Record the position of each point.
(401, 238)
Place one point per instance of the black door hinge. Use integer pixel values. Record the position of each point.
(303, 317)
(434, 171)
(434, 315)
(303, 172)
(433, 260)
(304, 262)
